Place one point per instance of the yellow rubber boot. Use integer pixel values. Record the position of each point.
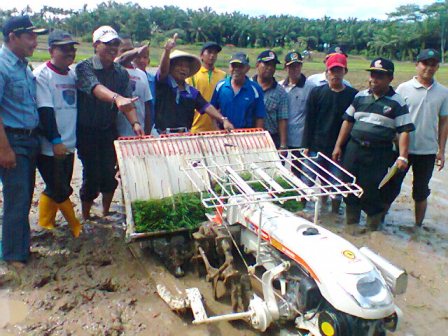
(67, 210)
(47, 212)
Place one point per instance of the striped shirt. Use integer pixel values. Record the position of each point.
(378, 119)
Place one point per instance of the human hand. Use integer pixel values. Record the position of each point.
(124, 104)
(59, 150)
(401, 164)
(138, 130)
(306, 151)
(171, 43)
(7, 157)
(440, 160)
(337, 154)
(228, 126)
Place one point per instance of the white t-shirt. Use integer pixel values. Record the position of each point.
(58, 91)
(425, 105)
(140, 88)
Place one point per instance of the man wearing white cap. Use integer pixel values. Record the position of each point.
(176, 101)
(103, 90)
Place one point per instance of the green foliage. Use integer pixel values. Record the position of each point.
(408, 29)
(169, 214)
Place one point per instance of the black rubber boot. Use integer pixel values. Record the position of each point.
(374, 222)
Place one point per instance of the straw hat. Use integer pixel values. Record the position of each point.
(195, 62)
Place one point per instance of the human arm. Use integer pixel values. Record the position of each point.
(49, 127)
(283, 131)
(215, 114)
(308, 130)
(443, 134)
(147, 126)
(164, 68)
(7, 155)
(344, 133)
(403, 147)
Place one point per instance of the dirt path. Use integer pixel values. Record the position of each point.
(94, 286)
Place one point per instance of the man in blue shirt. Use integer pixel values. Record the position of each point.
(238, 98)
(19, 144)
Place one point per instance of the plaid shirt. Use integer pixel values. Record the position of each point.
(277, 106)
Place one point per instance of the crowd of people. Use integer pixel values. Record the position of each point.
(49, 114)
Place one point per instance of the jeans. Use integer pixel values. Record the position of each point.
(18, 187)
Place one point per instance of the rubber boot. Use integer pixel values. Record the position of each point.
(47, 212)
(67, 210)
(373, 222)
(352, 217)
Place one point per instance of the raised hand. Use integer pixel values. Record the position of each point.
(171, 43)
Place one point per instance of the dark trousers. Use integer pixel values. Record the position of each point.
(97, 154)
(368, 165)
(18, 188)
(57, 175)
(422, 169)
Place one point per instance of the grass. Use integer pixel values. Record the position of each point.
(356, 75)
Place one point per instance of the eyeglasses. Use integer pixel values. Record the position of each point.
(113, 43)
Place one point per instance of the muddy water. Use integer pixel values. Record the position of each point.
(12, 312)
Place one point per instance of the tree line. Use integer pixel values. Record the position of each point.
(407, 29)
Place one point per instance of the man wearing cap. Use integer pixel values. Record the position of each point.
(205, 81)
(321, 78)
(56, 103)
(325, 107)
(19, 143)
(298, 88)
(103, 90)
(427, 101)
(372, 122)
(238, 98)
(275, 99)
(176, 101)
(140, 88)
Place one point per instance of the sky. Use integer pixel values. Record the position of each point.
(361, 9)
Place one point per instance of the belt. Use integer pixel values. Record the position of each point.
(21, 131)
(372, 144)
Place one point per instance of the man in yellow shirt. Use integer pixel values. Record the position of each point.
(205, 81)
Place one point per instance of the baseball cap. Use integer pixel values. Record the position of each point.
(239, 57)
(336, 60)
(336, 50)
(293, 57)
(211, 45)
(60, 37)
(267, 56)
(427, 54)
(195, 62)
(382, 65)
(21, 24)
(105, 34)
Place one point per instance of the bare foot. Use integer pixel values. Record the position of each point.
(18, 265)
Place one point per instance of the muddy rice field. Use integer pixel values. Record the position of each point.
(95, 285)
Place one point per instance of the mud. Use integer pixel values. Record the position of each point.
(94, 285)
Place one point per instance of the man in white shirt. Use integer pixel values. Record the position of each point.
(428, 105)
(57, 107)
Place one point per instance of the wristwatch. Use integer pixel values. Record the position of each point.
(224, 118)
(136, 122)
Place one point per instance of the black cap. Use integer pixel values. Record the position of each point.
(239, 57)
(267, 56)
(21, 24)
(211, 45)
(293, 57)
(427, 54)
(382, 65)
(60, 37)
(336, 50)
